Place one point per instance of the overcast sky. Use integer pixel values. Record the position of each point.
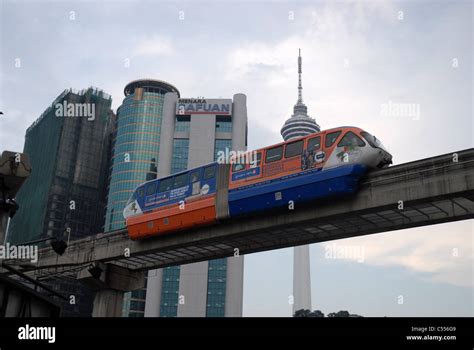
(358, 57)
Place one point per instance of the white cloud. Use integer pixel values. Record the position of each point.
(438, 253)
(155, 45)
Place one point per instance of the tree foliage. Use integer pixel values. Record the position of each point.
(319, 313)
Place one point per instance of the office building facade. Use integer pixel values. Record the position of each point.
(196, 130)
(64, 197)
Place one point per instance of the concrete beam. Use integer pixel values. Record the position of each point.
(110, 283)
(109, 276)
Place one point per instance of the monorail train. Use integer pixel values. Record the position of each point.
(325, 164)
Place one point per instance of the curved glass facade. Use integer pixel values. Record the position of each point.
(135, 150)
(135, 158)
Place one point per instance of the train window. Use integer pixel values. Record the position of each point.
(237, 167)
(372, 140)
(151, 189)
(255, 159)
(180, 180)
(351, 139)
(331, 138)
(314, 143)
(294, 149)
(274, 154)
(138, 193)
(194, 176)
(209, 172)
(165, 184)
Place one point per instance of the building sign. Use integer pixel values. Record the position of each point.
(189, 106)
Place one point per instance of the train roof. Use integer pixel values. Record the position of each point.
(174, 174)
(306, 136)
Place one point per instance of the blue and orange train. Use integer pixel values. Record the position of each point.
(325, 164)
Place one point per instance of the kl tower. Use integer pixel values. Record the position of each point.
(300, 124)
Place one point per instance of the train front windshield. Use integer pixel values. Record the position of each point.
(373, 141)
(134, 195)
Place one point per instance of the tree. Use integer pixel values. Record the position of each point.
(302, 313)
(308, 313)
(341, 313)
(317, 313)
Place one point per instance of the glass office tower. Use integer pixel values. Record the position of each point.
(136, 144)
(65, 195)
(135, 156)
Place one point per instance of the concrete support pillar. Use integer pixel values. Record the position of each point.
(201, 149)
(239, 123)
(153, 293)
(108, 303)
(301, 279)
(193, 287)
(166, 137)
(235, 265)
(110, 283)
(234, 287)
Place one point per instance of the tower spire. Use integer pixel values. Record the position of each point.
(300, 86)
(300, 123)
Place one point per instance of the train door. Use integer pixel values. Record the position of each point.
(313, 155)
(329, 143)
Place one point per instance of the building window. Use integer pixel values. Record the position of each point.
(216, 288)
(221, 146)
(182, 123)
(170, 292)
(223, 123)
(179, 161)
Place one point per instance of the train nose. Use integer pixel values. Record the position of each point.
(386, 159)
(131, 209)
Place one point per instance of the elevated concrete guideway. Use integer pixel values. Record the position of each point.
(434, 190)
